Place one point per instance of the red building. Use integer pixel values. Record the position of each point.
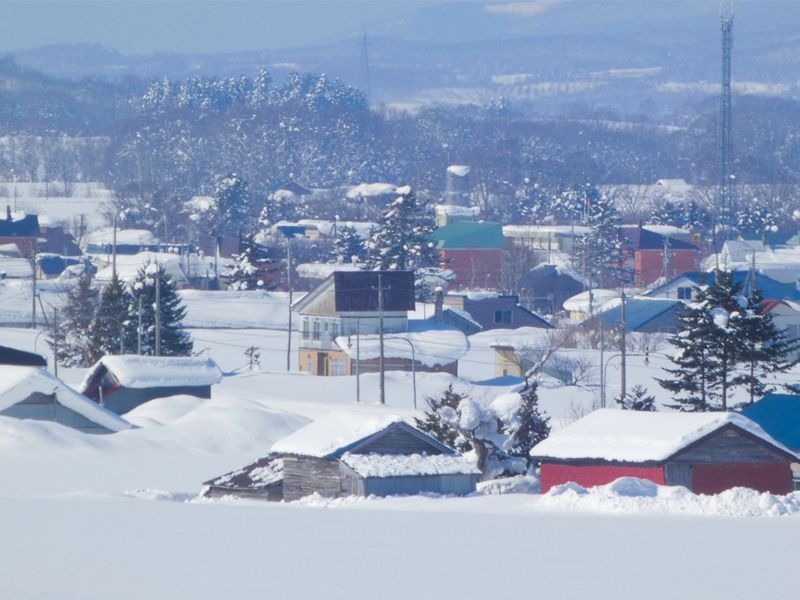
(705, 452)
(647, 250)
(23, 233)
(473, 251)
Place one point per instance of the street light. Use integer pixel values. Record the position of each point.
(604, 369)
(413, 366)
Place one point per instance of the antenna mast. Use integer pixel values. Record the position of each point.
(727, 183)
(364, 78)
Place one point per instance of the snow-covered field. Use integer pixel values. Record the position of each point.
(87, 199)
(99, 517)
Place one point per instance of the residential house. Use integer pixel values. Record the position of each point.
(473, 251)
(707, 453)
(581, 306)
(495, 311)
(648, 249)
(121, 383)
(350, 453)
(28, 392)
(682, 288)
(546, 238)
(642, 314)
(779, 416)
(547, 287)
(20, 230)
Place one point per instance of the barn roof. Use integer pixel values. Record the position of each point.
(341, 431)
(265, 471)
(157, 371)
(17, 383)
(779, 415)
(12, 356)
(632, 436)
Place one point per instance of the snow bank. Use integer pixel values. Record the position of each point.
(163, 411)
(522, 484)
(629, 495)
(433, 344)
(367, 190)
(334, 433)
(17, 383)
(252, 309)
(381, 465)
(158, 371)
(633, 436)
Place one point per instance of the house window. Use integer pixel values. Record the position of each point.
(502, 317)
(334, 330)
(685, 293)
(316, 330)
(306, 333)
(338, 367)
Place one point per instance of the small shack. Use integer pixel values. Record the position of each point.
(350, 453)
(32, 393)
(121, 383)
(707, 453)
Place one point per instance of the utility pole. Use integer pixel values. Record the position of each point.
(602, 375)
(139, 330)
(158, 312)
(623, 351)
(667, 258)
(380, 338)
(114, 255)
(33, 296)
(358, 359)
(55, 342)
(289, 285)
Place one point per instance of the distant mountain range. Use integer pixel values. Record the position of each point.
(618, 55)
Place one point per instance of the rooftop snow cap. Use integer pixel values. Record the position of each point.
(632, 436)
(157, 371)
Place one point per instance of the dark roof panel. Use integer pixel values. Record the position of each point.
(20, 358)
(357, 291)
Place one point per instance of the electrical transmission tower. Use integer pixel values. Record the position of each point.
(727, 182)
(363, 74)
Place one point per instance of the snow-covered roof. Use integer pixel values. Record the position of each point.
(327, 228)
(667, 230)
(334, 433)
(522, 231)
(670, 183)
(580, 302)
(158, 371)
(47, 221)
(11, 250)
(250, 309)
(433, 344)
(742, 250)
(323, 270)
(136, 237)
(367, 190)
(639, 310)
(17, 383)
(399, 465)
(458, 170)
(634, 436)
(128, 266)
(15, 267)
(463, 211)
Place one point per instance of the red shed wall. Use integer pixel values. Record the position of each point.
(772, 477)
(650, 264)
(555, 474)
(474, 267)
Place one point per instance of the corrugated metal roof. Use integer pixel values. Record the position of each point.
(779, 416)
(638, 310)
(469, 234)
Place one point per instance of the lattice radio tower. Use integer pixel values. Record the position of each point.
(727, 182)
(363, 74)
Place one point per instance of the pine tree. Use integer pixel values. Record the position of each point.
(599, 255)
(435, 425)
(348, 245)
(695, 365)
(111, 322)
(232, 200)
(532, 426)
(638, 400)
(174, 340)
(764, 348)
(70, 339)
(251, 266)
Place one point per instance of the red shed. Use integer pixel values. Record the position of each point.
(704, 452)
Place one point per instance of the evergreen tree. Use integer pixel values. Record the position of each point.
(764, 347)
(111, 322)
(250, 267)
(232, 201)
(174, 340)
(599, 256)
(669, 213)
(638, 400)
(695, 365)
(403, 241)
(530, 427)
(348, 245)
(70, 339)
(435, 425)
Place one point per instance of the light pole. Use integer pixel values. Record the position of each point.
(604, 370)
(413, 366)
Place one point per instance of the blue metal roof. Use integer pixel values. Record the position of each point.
(779, 416)
(638, 311)
(769, 287)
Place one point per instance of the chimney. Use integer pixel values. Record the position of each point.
(8, 212)
(438, 302)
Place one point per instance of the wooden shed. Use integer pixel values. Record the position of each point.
(35, 394)
(351, 453)
(121, 383)
(704, 452)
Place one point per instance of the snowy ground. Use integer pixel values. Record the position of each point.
(119, 516)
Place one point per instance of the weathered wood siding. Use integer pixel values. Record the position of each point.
(271, 493)
(396, 440)
(435, 484)
(305, 475)
(677, 473)
(729, 446)
(44, 407)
